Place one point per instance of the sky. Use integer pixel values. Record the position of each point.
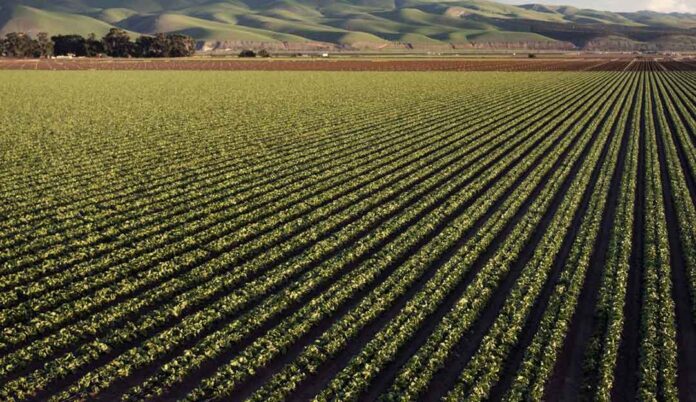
(685, 6)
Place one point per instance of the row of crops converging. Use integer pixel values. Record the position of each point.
(419, 236)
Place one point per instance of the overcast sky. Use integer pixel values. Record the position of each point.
(687, 6)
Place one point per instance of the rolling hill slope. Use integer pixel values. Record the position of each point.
(359, 24)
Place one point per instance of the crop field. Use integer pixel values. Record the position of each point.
(607, 63)
(257, 235)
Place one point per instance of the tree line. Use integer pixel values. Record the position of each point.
(116, 43)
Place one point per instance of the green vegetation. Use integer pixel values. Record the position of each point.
(116, 43)
(350, 236)
(33, 20)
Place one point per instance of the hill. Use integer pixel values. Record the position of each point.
(360, 24)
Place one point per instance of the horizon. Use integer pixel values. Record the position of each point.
(662, 6)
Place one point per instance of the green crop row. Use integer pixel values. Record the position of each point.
(658, 359)
(541, 355)
(394, 227)
(603, 347)
(347, 236)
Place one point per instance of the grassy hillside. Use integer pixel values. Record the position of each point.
(355, 23)
(33, 20)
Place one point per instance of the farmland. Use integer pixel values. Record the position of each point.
(280, 235)
(364, 63)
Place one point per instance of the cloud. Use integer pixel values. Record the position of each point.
(682, 6)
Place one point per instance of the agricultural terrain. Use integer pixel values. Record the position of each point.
(279, 235)
(369, 63)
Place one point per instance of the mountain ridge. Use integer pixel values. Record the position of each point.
(361, 24)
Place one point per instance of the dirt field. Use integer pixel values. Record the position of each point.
(583, 64)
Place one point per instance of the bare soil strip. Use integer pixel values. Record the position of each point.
(560, 64)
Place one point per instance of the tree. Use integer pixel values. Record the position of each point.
(151, 46)
(144, 46)
(165, 45)
(19, 44)
(64, 45)
(44, 44)
(93, 46)
(180, 45)
(263, 53)
(247, 53)
(117, 43)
